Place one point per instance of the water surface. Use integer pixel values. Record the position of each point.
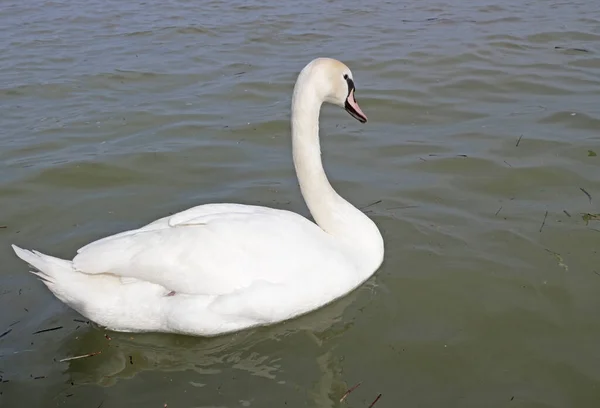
(477, 163)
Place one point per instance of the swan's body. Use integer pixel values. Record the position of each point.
(220, 268)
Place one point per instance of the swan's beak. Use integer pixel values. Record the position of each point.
(353, 109)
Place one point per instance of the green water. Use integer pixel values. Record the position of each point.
(476, 164)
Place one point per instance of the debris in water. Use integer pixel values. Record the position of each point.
(507, 163)
(5, 333)
(519, 141)
(107, 337)
(572, 49)
(81, 321)
(586, 193)
(374, 402)
(544, 222)
(559, 259)
(349, 391)
(566, 212)
(587, 217)
(48, 330)
(131, 360)
(592, 153)
(39, 377)
(373, 203)
(3, 226)
(498, 212)
(78, 357)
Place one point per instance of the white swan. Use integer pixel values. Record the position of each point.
(220, 268)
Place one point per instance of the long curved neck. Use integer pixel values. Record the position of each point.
(330, 211)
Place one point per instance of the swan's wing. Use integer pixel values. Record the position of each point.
(182, 217)
(214, 253)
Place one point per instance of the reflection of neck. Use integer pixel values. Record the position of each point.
(330, 211)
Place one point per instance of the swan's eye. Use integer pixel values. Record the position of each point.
(346, 77)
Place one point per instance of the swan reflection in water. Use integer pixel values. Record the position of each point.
(292, 358)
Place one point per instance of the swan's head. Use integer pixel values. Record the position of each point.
(334, 84)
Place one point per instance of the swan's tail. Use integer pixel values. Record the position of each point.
(58, 275)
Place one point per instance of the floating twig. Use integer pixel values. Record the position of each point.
(402, 207)
(375, 401)
(131, 360)
(349, 391)
(3, 226)
(566, 212)
(48, 330)
(572, 49)
(498, 212)
(519, 141)
(78, 357)
(81, 321)
(586, 193)
(369, 205)
(5, 333)
(507, 163)
(544, 222)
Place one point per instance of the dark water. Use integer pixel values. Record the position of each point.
(478, 163)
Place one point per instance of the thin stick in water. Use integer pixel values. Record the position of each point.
(586, 193)
(544, 222)
(78, 357)
(349, 391)
(373, 203)
(374, 402)
(519, 141)
(48, 330)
